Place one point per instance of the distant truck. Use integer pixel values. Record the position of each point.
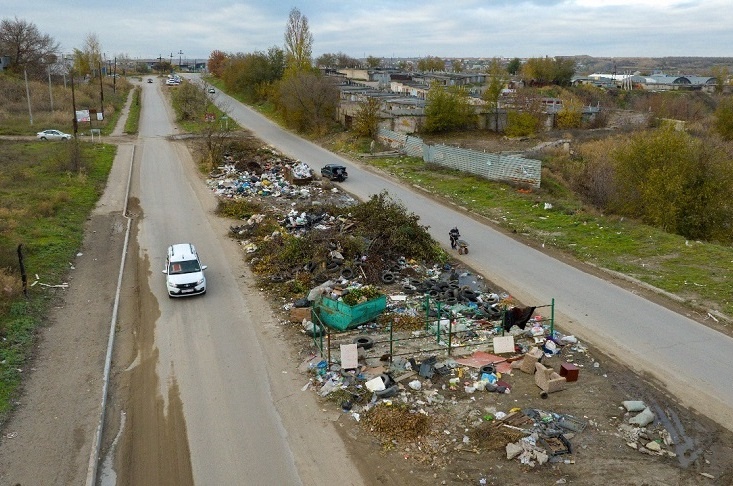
(334, 172)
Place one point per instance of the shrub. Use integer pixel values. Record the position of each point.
(521, 124)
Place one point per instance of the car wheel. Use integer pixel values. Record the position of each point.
(44, 138)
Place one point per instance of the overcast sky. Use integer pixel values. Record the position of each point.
(395, 28)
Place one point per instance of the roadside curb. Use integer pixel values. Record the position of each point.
(93, 466)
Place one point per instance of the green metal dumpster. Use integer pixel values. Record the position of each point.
(338, 315)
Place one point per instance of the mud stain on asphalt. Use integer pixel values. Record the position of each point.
(154, 445)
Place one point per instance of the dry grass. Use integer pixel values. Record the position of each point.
(396, 422)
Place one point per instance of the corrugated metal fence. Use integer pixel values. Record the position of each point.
(498, 167)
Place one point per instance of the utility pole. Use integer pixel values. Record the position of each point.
(73, 104)
(171, 62)
(160, 62)
(50, 91)
(114, 77)
(180, 53)
(101, 93)
(28, 95)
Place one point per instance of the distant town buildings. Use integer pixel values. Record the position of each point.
(653, 82)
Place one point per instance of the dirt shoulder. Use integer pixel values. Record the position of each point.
(48, 438)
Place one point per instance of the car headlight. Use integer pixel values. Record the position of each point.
(202, 280)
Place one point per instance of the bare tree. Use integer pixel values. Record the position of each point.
(308, 101)
(327, 60)
(366, 120)
(373, 62)
(345, 61)
(26, 46)
(89, 57)
(497, 79)
(298, 42)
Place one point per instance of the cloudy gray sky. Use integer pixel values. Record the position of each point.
(395, 28)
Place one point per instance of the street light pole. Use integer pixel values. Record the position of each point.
(180, 53)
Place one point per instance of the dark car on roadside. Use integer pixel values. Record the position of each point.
(334, 172)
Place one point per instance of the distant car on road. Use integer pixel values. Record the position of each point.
(53, 135)
(212, 90)
(150, 80)
(334, 172)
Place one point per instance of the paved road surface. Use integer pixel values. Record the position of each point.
(217, 358)
(691, 360)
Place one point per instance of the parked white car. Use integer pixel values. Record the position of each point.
(184, 273)
(53, 135)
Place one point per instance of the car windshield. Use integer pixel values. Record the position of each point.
(186, 266)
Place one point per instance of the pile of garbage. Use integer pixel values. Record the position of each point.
(268, 174)
(640, 433)
(547, 436)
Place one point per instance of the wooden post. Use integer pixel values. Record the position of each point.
(23, 276)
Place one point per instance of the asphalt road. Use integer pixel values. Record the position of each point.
(688, 358)
(207, 346)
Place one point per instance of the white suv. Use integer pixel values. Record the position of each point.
(184, 274)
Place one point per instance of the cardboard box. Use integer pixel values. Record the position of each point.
(297, 314)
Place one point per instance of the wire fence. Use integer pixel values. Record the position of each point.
(493, 166)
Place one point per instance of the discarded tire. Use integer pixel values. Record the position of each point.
(451, 301)
(469, 294)
(332, 267)
(387, 380)
(488, 369)
(388, 277)
(309, 267)
(492, 299)
(347, 273)
(364, 342)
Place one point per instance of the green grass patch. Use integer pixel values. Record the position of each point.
(47, 191)
(132, 124)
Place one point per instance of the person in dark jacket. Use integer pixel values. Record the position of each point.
(454, 234)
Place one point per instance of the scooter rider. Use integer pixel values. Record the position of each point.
(454, 235)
